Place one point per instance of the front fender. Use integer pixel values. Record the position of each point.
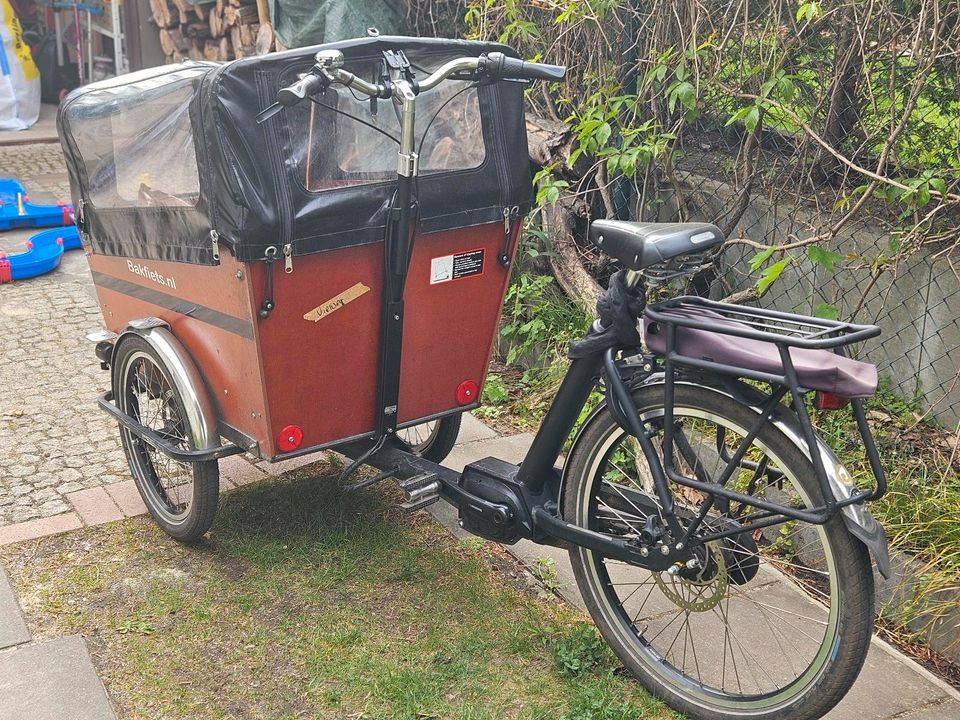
(184, 375)
(858, 519)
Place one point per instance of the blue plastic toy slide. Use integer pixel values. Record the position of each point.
(43, 254)
(17, 211)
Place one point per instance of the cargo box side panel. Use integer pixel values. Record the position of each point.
(454, 294)
(320, 343)
(208, 310)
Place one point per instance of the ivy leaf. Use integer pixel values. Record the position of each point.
(771, 274)
(826, 311)
(824, 258)
(760, 258)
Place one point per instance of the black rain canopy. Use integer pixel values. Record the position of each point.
(165, 161)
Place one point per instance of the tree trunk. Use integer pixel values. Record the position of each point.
(550, 143)
(560, 223)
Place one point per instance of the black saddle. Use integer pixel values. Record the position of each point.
(640, 245)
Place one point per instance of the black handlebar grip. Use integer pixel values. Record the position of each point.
(306, 86)
(498, 66)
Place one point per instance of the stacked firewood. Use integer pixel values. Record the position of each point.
(214, 30)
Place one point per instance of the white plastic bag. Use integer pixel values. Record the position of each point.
(19, 78)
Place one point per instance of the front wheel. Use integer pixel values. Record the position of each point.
(433, 439)
(770, 625)
(181, 497)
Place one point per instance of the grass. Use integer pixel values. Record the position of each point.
(305, 602)
(921, 508)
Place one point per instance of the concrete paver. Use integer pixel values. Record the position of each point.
(53, 439)
(94, 506)
(473, 429)
(13, 630)
(127, 498)
(279, 468)
(40, 527)
(51, 680)
(947, 710)
(236, 471)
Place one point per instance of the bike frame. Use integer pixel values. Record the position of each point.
(505, 502)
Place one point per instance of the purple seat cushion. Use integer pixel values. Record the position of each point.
(817, 369)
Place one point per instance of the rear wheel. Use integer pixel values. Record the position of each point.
(181, 497)
(772, 624)
(434, 439)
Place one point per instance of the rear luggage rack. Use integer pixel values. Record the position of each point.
(809, 336)
(773, 326)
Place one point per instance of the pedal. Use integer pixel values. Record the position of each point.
(421, 490)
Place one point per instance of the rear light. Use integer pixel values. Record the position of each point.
(829, 401)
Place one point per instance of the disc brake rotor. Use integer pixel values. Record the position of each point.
(697, 594)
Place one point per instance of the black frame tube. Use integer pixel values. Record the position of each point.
(153, 439)
(578, 383)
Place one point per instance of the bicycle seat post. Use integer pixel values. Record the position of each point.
(633, 278)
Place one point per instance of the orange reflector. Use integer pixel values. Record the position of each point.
(829, 401)
(289, 438)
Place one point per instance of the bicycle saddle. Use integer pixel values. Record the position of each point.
(639, 245)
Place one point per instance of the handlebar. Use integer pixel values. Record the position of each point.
(306, 86)
(498, 66)
(494, 66)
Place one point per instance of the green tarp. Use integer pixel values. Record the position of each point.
(310, 22)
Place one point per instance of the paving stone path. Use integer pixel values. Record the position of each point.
(53, 440)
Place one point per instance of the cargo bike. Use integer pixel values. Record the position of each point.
(310, 250)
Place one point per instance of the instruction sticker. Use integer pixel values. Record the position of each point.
(454, 267)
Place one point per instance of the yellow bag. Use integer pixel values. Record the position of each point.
(19, 78)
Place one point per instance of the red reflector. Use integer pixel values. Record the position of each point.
(467, 392)
(289, 438)
(829, 401)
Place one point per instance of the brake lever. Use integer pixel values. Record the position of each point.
(268, 113)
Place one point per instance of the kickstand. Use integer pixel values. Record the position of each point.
(355, 465)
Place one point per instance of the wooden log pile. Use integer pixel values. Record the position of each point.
(215, 30)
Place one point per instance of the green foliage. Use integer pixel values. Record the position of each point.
(579, 650)
(916, 192)
(597, 703)
(826, 259)
(827, 311)
(606, 116)
(809, 12)
(771, 273)
(134, 626)
(548, 187)
(545, 570)
(539, 319)
(494, 391)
